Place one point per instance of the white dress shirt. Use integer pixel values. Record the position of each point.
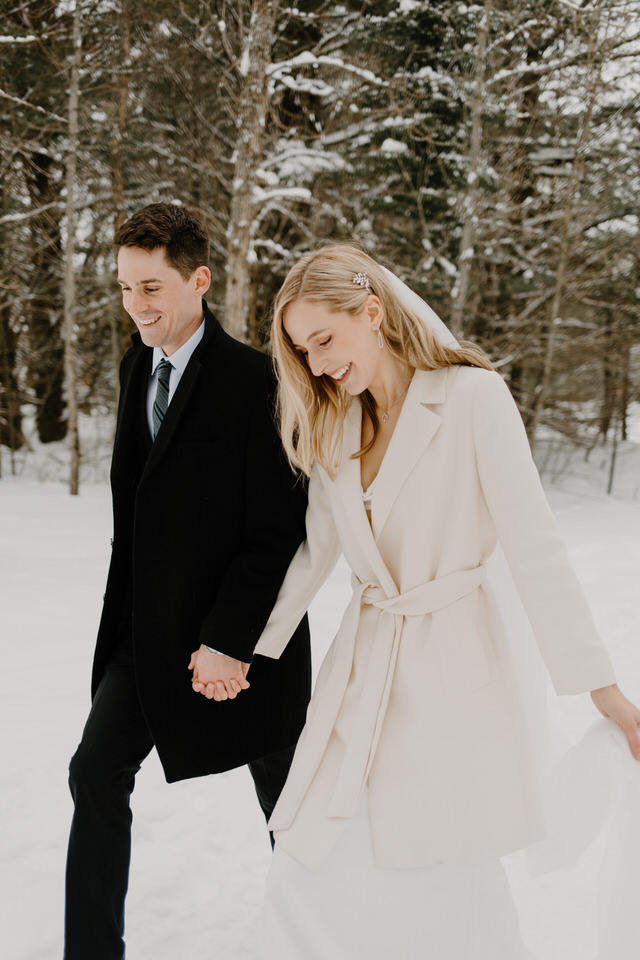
(178, 361)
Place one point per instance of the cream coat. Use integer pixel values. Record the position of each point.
(417, 694)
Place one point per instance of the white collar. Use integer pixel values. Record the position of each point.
(182, 355)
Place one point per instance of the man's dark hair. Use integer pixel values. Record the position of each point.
(178, 231)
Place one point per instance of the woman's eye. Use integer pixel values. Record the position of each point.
(325, 343)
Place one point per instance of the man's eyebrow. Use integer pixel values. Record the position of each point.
(140, 282)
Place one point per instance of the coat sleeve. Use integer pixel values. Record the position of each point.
(315, 559)
(573, 652)
(273, 527)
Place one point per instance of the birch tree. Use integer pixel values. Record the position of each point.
(248, 154)
(69, 266)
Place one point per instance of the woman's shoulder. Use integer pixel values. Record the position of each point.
(475, 381)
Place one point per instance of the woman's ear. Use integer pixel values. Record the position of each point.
(375, 311)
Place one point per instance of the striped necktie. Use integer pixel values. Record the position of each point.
(161, 401)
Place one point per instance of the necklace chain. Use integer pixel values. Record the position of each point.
(385, 414)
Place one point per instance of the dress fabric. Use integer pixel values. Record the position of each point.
(351, 908)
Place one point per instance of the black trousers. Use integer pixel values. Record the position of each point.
(102, 772)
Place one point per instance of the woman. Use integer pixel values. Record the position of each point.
(415, 772)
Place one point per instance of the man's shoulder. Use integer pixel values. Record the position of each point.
(219, 347)
(135, 350)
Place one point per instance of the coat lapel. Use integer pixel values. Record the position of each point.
(181, 397)
(132, 422)
(416, 427)
(348, 488)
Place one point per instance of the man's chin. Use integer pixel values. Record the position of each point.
(150, 334)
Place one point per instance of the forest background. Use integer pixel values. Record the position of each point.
(488, 153)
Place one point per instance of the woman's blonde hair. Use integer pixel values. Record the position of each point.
(311, 410)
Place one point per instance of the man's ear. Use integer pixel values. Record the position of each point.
(202, 280)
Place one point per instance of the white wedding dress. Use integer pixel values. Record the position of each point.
(352, 909)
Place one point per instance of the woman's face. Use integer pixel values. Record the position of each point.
(337, 345)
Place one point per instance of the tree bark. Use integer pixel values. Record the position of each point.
(251, 126)
(69, 271)
(570, 228)
(470, 207)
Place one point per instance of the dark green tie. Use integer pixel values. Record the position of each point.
(161, 401)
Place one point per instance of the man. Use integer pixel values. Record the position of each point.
(207, 516)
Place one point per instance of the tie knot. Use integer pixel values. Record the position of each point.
(164, 370)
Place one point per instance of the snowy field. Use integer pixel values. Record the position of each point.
(201, 852)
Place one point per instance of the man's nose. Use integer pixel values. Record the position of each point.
(137, 303)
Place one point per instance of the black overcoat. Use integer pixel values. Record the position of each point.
(206, 520)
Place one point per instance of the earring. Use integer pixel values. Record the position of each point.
(380, 340)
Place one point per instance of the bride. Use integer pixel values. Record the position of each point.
(415, 771)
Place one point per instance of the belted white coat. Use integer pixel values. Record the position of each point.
(417, 694)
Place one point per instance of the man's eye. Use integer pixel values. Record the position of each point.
(151, 289)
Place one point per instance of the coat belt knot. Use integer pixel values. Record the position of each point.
(439, 595)
(444, 598)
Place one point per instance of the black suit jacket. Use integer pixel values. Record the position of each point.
(206, 520)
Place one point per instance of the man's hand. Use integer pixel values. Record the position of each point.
(217, 676)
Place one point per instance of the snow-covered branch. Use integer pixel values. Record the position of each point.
(281, 70)
(27, 214)
(32, 106)
(18, 39)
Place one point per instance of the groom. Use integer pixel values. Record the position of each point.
(206, 519)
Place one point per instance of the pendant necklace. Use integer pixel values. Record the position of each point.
(385, 415)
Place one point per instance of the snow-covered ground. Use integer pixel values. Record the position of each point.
(201, 852)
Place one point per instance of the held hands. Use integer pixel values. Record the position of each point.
(612, 703)
(217, 676)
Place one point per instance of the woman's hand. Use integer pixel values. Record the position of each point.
(612, 703)
(216, 676)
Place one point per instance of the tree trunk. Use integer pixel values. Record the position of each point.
(251, 124)
(45, 342)
(69, 271)
(121, 321)
(571, 227)
(470, 210)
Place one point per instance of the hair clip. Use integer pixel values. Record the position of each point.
(362, 280)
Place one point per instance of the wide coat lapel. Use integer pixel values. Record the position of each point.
(417, 425)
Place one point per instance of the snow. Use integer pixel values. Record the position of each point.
(200, 849)
(394, 147)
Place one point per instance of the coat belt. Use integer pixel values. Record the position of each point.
(441, 598)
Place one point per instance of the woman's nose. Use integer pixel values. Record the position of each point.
(317, 364)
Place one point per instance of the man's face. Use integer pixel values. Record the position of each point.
(165, 307)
